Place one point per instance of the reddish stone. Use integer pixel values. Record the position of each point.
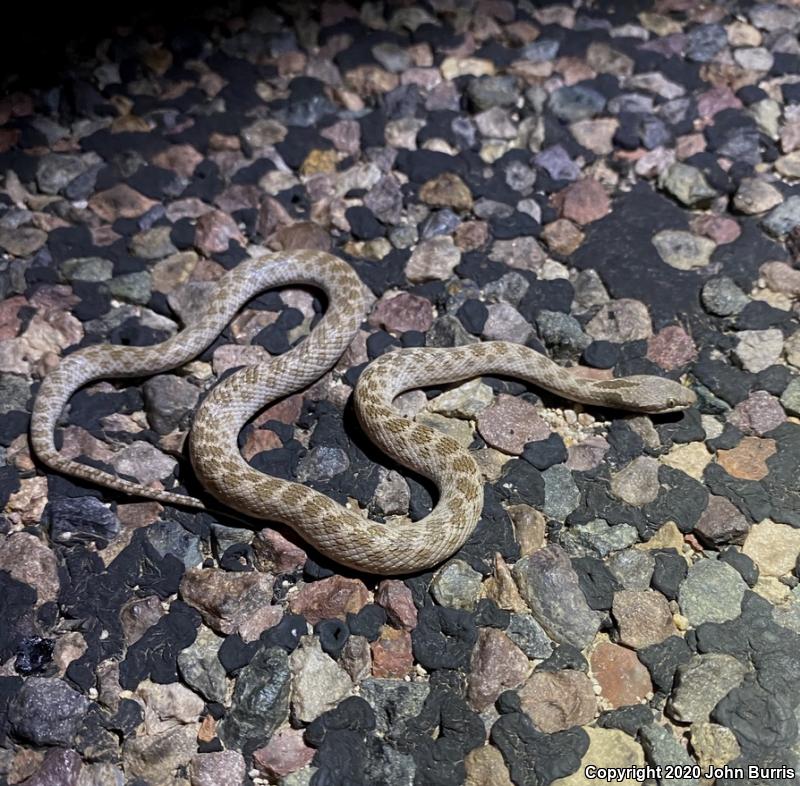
(227, 600)
(330, 598)
(181, 159)
(671, 348)
(239, 197)
(9, 316)
(721, 523)
(622, 678)
(283, 754)
(402, 312)
(120, 201)
(392, 657)
(759, 413)
(720, 229)
(497, 664)
(583, 201)
(558, 700)
(275, 554)
(643, 617)
(748, 460)
(715, 100)
(510, 423)
(214, 232)
(396, 598)
(303, 234)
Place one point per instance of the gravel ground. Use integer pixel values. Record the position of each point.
(618, 189)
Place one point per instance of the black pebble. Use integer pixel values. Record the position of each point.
(601, 354)
(744, 565)
(564, 656)
(670, 570)
(596, 582)
(363, 224)
(367, 622)
(473, 315)
(333, 635)
(380, 342)
(546, 452)
(628, 719)
(663, 659)
(412, 338)
(33, 655)
(489, 615)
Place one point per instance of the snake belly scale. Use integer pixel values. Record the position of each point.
(344, 535)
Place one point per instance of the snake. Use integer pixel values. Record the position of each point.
(344, 534)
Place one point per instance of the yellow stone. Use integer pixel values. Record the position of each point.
(368, 249)
(773, 547)
(607, 748)
(318, 161)
(446, 190)
(691, 458)
(668, 536)
(158, 60)
(659, 24)
(772, 589)
(466, 66)
(789, 165)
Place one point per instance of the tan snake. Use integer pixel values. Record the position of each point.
(343, 535)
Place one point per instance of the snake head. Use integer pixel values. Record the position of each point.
(642, 393)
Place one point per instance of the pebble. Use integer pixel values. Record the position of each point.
(392, 656)
(549, 585)
(758, 414)
(318, 682)
(219, 768)
(456, 585)
(169, 400)
(747, 460)
(672, 347)
(505, 323)
(510, 423)
(620, 321)
(643, 618)
(284, 754)
(784, 218)
(583, 202)
(497, 664)
(683, 250)
(701, 683)
(558, 700)
(433, 259)
(712, 592)
(330, 598)
(755, 196)
(446, 190)
(607, 748)
(687, 184)
(637, 484)
(47, 711)
(757, 350)
(622, 678)
(722, 297)
(721, 523)
(229, 601)
(576, 102)
(774, 547)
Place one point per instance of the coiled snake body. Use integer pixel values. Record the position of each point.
(342, 534)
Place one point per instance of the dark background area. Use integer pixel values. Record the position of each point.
(41, 42)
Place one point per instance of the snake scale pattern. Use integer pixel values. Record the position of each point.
(342, 534)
